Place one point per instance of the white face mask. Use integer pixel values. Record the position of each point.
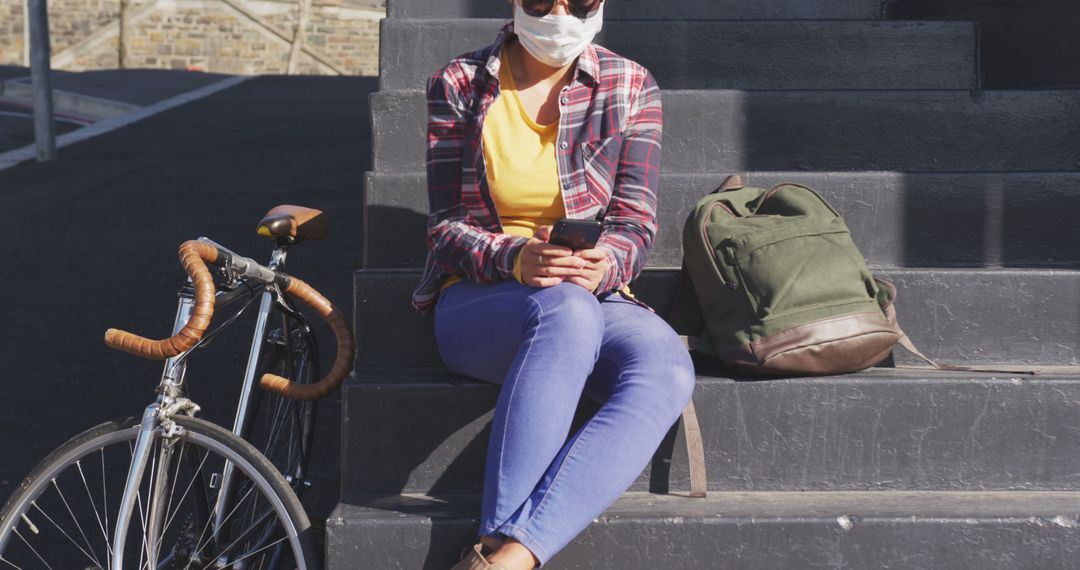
(556, 40)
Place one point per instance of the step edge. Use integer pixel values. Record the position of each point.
(982, 506)
(1048, 374)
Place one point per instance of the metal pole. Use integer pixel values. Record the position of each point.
(44, 131)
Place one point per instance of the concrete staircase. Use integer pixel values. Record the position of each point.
(967, 199)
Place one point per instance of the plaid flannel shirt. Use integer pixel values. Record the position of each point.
(608, 155)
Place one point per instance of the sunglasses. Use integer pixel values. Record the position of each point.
(579, 8)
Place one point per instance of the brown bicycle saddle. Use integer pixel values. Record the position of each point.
(294, 223)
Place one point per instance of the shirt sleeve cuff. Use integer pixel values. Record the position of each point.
(517, 268)
(507, 255)
(610, 280)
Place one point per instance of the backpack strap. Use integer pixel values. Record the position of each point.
(889, 308)
(695, 450)
(686, 316)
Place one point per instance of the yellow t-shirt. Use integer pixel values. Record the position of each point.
(522, 173)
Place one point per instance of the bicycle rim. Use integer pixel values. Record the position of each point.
(62, 516)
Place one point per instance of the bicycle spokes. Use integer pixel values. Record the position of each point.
(69, 523)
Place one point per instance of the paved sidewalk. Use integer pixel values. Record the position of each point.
(92, 238)
(84, 98)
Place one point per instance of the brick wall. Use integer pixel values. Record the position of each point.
(11, 32)
(73, 20)
(223, 36)
(339, 32)
(69, 22)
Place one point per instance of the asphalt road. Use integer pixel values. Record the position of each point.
(90, 243)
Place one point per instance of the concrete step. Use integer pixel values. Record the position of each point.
(656, 9)
(719, 131)
(959, 316)
(958, 531)
(706, 54)
(897, 220)
(884, 428)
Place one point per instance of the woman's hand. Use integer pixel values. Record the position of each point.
(594, 271)
(547, 265)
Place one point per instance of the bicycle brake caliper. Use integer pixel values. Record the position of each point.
(169, 428)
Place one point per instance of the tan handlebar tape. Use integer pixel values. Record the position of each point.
(343, 361)
(193, 255)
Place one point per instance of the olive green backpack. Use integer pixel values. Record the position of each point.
(773, 285)
(780, 287)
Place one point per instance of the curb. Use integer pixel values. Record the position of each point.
(67, 102)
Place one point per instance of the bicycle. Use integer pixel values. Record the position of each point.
(169, 490)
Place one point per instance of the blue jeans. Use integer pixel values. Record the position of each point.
(547, 347)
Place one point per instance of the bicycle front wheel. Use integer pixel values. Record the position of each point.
(63, 514)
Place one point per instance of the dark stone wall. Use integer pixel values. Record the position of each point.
(1023, 43)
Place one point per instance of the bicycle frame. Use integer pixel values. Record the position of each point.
(240, 424)
(171, 394)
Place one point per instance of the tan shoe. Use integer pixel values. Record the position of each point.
(476, 561)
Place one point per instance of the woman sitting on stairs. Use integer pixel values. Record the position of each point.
(538, 126)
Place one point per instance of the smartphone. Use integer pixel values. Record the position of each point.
(575, 234)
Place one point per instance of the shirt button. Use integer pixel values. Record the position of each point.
(565, 100)
(563, 145)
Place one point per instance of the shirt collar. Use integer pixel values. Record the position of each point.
(494, 60)
(588, 65)
(586, 71)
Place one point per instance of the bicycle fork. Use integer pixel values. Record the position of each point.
(139, 459)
